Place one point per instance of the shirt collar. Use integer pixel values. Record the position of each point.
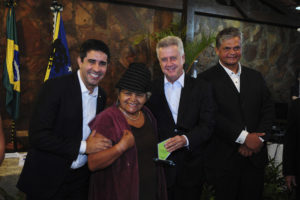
(179, 81)
(83, 87)
(229, 72)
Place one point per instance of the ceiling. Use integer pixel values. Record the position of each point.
(276, 12)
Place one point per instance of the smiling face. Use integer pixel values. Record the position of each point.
(131, 102)
(171, 62)
(230, 52)
(92, 68)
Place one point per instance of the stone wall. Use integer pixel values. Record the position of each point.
(269, 49)
(117, 25)
(272, 50)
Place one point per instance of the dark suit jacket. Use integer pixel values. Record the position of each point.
(55, 135)
(195, 116)
(291, 150)
(251, 108)
(295, 89)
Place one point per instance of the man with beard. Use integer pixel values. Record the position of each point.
(237, 154)
(60, 139)
(184, 109)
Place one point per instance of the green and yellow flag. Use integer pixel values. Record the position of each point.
(11, 73)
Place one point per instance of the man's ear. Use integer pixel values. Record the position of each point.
(79, 61)
(183, 58)
(217, 51)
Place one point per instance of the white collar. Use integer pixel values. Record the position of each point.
(180, 80)
(229, 72)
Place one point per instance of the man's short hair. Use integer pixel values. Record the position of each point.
(93, 44)
(228, 33)
(170, 41)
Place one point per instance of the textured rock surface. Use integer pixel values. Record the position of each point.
(274, 51)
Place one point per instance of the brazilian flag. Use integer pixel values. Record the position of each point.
(59, 62)
(11, 73)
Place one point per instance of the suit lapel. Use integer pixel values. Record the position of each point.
(224, 77)
(244, 86)
(164, 99)
(99, 100)
(184, 98)
(76, 95)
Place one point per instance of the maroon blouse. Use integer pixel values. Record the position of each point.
(120, 180)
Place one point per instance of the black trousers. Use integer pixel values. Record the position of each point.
(177, 192)
(74, 187)
(243, 182)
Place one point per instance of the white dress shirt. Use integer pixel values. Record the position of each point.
(89, 106)
(173, 93)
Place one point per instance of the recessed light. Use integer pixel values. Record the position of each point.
(298, 29)
(298, 8)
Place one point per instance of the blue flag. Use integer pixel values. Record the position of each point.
(59, 62)
(11, 72)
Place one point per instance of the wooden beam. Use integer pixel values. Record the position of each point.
(252, 16)
(278, 19)
(217, 10)
(211, 8)
(188, 15)
(273, 4)
(243, 10)
(167, 4)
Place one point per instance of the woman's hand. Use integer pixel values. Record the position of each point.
(127, 141)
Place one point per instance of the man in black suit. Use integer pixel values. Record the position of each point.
(184, 109)
(60, 139)
(291, 150)
(237, 154)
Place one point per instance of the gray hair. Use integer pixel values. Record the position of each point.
(228, 33)
(170, 41)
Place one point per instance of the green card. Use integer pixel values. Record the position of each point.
(163, 154)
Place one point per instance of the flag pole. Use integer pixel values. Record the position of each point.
(10, 3)
(55, 8)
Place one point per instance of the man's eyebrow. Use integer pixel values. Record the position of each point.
(102, 62)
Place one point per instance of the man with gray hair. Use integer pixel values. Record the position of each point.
(184, 109)
(237, 154)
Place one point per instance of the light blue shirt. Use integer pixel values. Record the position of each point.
(173, 92)
(89, 105)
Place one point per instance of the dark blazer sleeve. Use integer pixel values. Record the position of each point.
(50, 119)
(290, 154)
(295, 89)
(203, 129)
(267, 110)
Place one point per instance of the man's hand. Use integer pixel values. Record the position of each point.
(253, 141)
(290, 181)
(175, 143)
(245, 151)
(97, 142)
(127, 141)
